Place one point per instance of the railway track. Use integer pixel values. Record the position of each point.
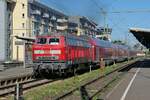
(26, 81)
(89, 90)
(7, 87)
(10, 89)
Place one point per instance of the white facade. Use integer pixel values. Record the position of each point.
(3, 28)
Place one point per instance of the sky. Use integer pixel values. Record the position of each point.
(119, 22)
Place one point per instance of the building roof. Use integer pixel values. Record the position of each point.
(39, 4)
(143, 35)
(76, 19)
(88, 20)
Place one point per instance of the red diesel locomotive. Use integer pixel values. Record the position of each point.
(58, 53)
(61, 53)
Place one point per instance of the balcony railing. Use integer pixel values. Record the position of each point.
(61, 27)
(45, 15)
(53, 18)
(42, 22)
(36, 12)
(72, 28)
(50, 24)
(62, 20)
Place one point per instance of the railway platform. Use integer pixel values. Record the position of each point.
(14, 72)
(135, 85)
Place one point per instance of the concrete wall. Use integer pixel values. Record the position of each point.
(3, 28)
(18, 29)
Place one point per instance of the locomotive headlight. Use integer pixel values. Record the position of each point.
(38, 51)
(55, 51)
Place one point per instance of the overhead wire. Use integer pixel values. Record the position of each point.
(115, 12)
(131, 11)
(130, 36)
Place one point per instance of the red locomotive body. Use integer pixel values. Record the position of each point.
(49, 49)
(58, 53)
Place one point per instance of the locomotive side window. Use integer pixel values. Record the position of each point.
(41, 40)
(54, 41)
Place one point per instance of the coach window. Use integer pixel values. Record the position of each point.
(54, 41)
(41, 40)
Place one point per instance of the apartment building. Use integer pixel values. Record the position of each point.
(26, 18)
(45, 19)
(82, 26)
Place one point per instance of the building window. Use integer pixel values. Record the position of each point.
(23, 15)
(23, 6)
(22, 34)
(23, 25)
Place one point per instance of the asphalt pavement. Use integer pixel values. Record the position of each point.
(135, 85)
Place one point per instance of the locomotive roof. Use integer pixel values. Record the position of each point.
(102, 43)
(86, 38)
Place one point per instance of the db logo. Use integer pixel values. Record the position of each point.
(46, 51)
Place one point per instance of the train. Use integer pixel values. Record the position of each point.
(63, 53)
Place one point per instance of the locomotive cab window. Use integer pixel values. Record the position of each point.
(54, 41)
(41, 40)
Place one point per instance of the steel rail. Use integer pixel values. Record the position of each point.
(129, 65)
(9, 90)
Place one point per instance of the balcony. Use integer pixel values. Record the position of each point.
(35, 12)
(43, 22)
(73, 28)
(45, 15)
(50, 24)
(53, 18)
(102, 35)
(62, 20)
(61, 27)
